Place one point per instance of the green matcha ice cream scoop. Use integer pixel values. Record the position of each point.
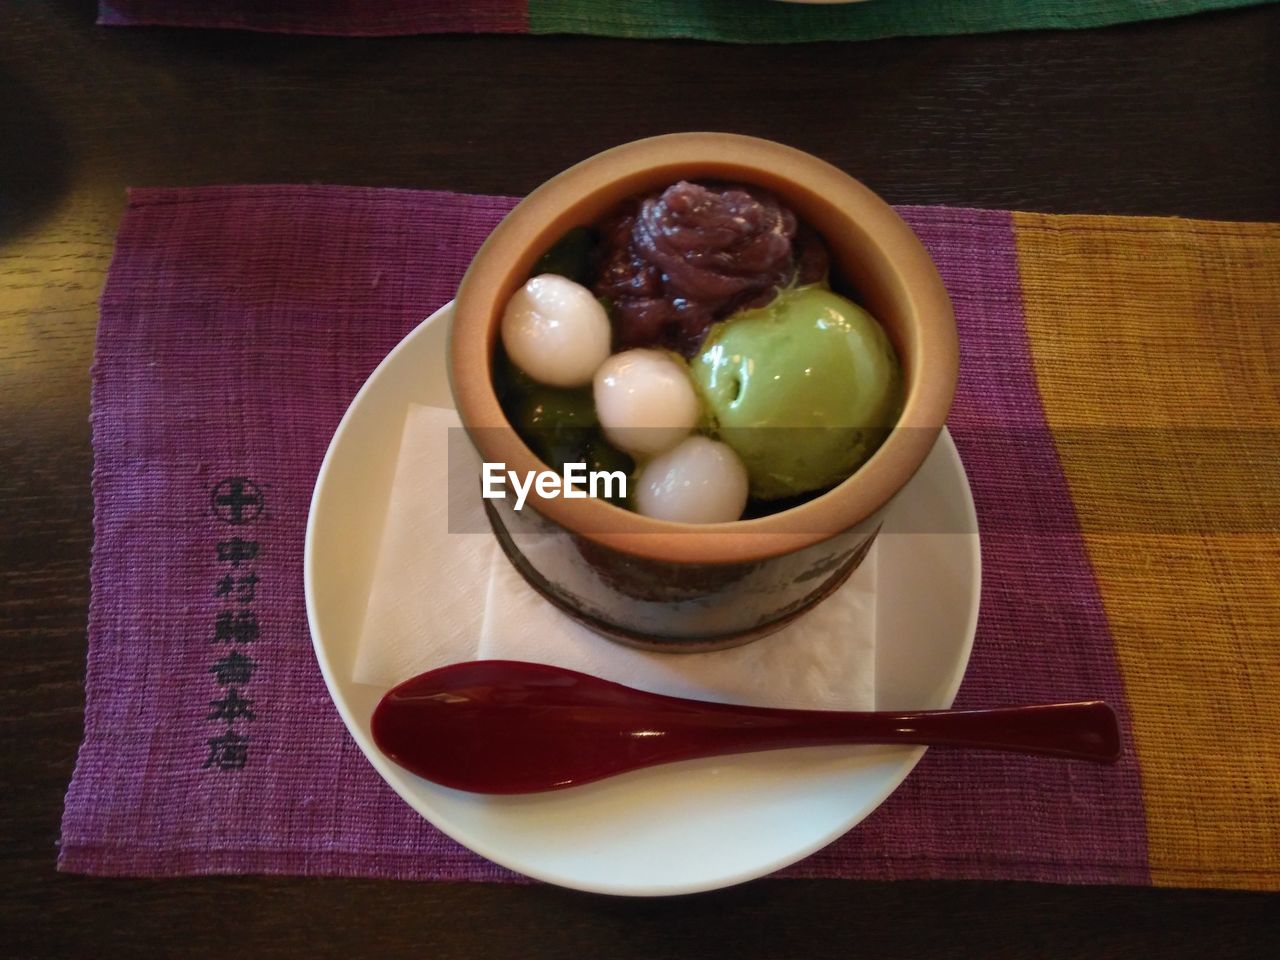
(804, 389)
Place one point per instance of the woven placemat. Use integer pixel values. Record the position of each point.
(737, 21)
(1117, 414)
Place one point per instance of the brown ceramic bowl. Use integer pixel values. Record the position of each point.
(676, 586)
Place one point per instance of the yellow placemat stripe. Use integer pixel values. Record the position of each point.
(1156, 348)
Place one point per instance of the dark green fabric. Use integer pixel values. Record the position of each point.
(768, 21)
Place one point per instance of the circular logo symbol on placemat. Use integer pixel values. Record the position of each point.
(237, 500)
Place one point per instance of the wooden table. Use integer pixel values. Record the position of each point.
(1172, 117)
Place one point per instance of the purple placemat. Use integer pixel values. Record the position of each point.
(350, 18)
(237, 323)
(737, 21)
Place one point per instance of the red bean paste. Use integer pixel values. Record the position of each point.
(673, 263)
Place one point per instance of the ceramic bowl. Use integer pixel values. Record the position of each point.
(679, 587)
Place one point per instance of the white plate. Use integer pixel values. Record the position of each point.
(686, 827)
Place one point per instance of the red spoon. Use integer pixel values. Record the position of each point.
(504, 726)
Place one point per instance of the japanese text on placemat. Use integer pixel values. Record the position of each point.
(237, 504)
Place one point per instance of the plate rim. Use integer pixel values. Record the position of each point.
(908, 759)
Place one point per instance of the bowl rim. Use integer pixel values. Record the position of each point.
(503, 263)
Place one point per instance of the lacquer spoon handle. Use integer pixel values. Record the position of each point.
(1085, 731)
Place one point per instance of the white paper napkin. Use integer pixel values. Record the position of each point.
(439, 597)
